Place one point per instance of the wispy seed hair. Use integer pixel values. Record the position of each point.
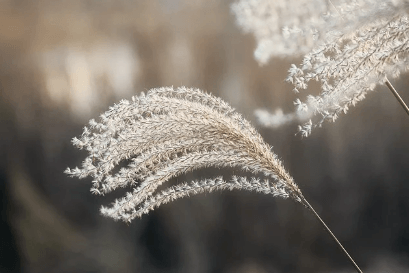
(169, 132)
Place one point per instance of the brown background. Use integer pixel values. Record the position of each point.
(64, 62)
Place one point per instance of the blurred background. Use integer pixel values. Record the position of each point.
(64, 62)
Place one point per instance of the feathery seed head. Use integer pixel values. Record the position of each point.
(168, 132)
(349, 47)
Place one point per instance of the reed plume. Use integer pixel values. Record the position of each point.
(349, 48)
(168, 132)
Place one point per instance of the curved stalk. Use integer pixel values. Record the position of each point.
(332, 234)
(395, 93)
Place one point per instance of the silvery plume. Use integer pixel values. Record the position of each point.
(349, 47)
(350, 67)
(169, 132)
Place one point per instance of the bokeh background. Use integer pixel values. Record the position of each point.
(64, 62)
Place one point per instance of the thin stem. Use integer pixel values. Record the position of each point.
(332, 235)
(332, 4)
(395, 93)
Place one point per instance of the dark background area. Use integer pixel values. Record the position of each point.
(64, 62)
